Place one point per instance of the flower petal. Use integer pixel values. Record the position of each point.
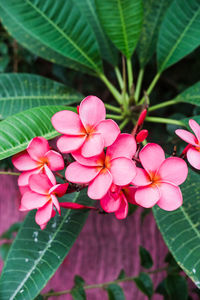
(147, 196)
(195, 127)
(23, 178)
(142, 178)
(31, 200)
(68, 122)
(55, 160)
(100, 185)
(23, 189)
(59, 189)
(109, 131)
(37, 148)
(193, 157)
(67, 143)
(129, 193)
(173, 170)
(93, 145)
(40, 183)
(81, 174)
(123, 170)
(124, 146)
(49, 174)
(56, 203)
(94, 161)
(122, 212)
(187, 136)
(43, 215)
(92, 111)
(110, 204)
(151, 157)
(171, 197)
(72, 205)
(23, 162)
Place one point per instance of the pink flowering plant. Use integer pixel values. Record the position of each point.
(75, 155)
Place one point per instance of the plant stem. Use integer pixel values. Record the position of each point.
(138, 85)
(163, 104)
(119, 77)
(111, 88)
(9, 173)
(164, 120)
(130, 74)
(123, 124)
(114, 117)
(153, 83)
(112, 108)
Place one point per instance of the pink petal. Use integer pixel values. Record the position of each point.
(171, 197)
(24, 189)
(100, 185)
(195, 127)
(68, 122)
(123, 170)
(110, 204)
(90, 161)
(40, 184)
(129, 193)
(122, 212)
(67, 143)
(151, 157)
(81, 174)
(173, 170)
(193, 157)
(55, 160)
(124, 146)
(37, 148)
(93, 145)
(43, 215)
(23, 162)
(92, 111)
(187, 136)
(142, 178)
(31, 200)
(147, 196)
(109, 131)
(56, 203)
(23, 178)
(59, 189)
(49, 174)
(72, 205)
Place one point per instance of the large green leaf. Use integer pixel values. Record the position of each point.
(122, 21)
(17, 131)
(181, 228)
(190, 95)
(108, 51)
(179, 33)
(54, 30)
(154, 11)
(36, 254)
(19, 92)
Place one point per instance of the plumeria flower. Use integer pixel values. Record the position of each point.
(88, 130)
(43, 196)
(158, 182)
(37, 158)
(116, 200)
(102, 170)
(193, 150)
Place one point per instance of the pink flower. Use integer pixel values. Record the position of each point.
(43, 196)
(193, 152)
(38, 158)
(102, 170)
(116, 200)
(88, 131)
(158, 182)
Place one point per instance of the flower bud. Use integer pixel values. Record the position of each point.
(142, 135)
(142, 117)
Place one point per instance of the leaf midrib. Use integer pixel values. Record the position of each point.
(123, 26)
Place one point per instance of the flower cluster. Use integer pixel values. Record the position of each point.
(108, 162)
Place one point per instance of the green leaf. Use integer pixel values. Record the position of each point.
(179, 33)
(19, 92)
(144, 284)
(190, 95)
(36, 254)
(181, 228)
(78, 292)
(8, 235)
(17, 131)
(122, 274)
(122, 22)
(176, 286)
(108, 51)
(4, 249)
(145, 258)
(54, 30)
(115, 292)
(154, 11)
